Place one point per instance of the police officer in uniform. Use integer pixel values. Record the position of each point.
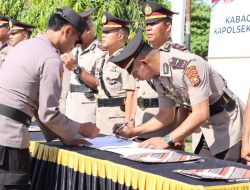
(158, 20)
(4, 38)
(35, 90)
(245, 151)
(83, 84)
(19, 31)
(116, 86)
(186, 79)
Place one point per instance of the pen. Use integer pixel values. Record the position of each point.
(238, 180)
(121, 127)
(194, 161)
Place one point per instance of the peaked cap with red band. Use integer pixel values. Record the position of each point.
(16, 26)
(111, 22)
(4, 20)
(155, 12)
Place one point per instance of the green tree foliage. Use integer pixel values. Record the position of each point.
(200, 23)
(37, 12)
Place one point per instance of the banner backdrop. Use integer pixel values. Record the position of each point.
(229, 40)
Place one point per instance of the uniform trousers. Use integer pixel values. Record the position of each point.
(232, 154)
(14, 168)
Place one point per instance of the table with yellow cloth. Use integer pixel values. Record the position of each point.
(59, 167)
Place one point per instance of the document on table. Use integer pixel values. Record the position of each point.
(162, 156)
(110, 142)
(120, 146)
(231, 174)
(129, 149)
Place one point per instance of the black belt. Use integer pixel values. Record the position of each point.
(15, 114)
(224, 103)
(144, 103)
(111, 102)
(81, 88)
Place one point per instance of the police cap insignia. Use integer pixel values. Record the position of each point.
(104, 19)
(147, 10)
(10, 23)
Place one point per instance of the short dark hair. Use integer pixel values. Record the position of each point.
(56, 22)
(28, 33)
(125, 32)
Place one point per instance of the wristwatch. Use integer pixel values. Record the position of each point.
(168, 140)
(77, 70)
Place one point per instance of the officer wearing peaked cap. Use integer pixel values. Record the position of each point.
(35, 91)
(82, 84)
(19, 31)
(115, 86)
(186, 79)
(4, 38)
(158, 21)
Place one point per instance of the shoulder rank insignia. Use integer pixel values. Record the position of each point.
(178, 63)
(165, 68)
(167, 47)
(179, 47)
(92, 47)
(193, 76)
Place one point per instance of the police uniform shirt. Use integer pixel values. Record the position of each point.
(4, 49)
(36, 86)
(187, 79)
(116, 79)
(87, 59)
(78, 102)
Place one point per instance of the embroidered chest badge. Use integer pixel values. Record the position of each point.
(193, 76)
(178, 63)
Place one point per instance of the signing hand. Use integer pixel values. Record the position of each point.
(122, 130)
(154, 143)
(245, 152)
(89, 130)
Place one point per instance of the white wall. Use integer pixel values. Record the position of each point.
(229, 43)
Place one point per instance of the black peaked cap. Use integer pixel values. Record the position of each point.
(155, 12)
(16, 25)
(4, 20)
(130, 52)
(111, 22)
(87, 13)
(73, 18)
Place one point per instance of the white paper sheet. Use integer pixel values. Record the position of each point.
(110, 142)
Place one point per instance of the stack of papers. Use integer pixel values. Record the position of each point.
(129, 149)
(34, 128)
(162, 157)
(226, 173)
(110, 142)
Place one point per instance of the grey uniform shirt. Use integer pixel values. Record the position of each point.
(4, 49)
(116, 79)
(87, 59)
(31, 80)
(187, 79)
(81, 106)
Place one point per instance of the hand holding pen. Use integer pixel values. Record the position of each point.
(124, 130)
